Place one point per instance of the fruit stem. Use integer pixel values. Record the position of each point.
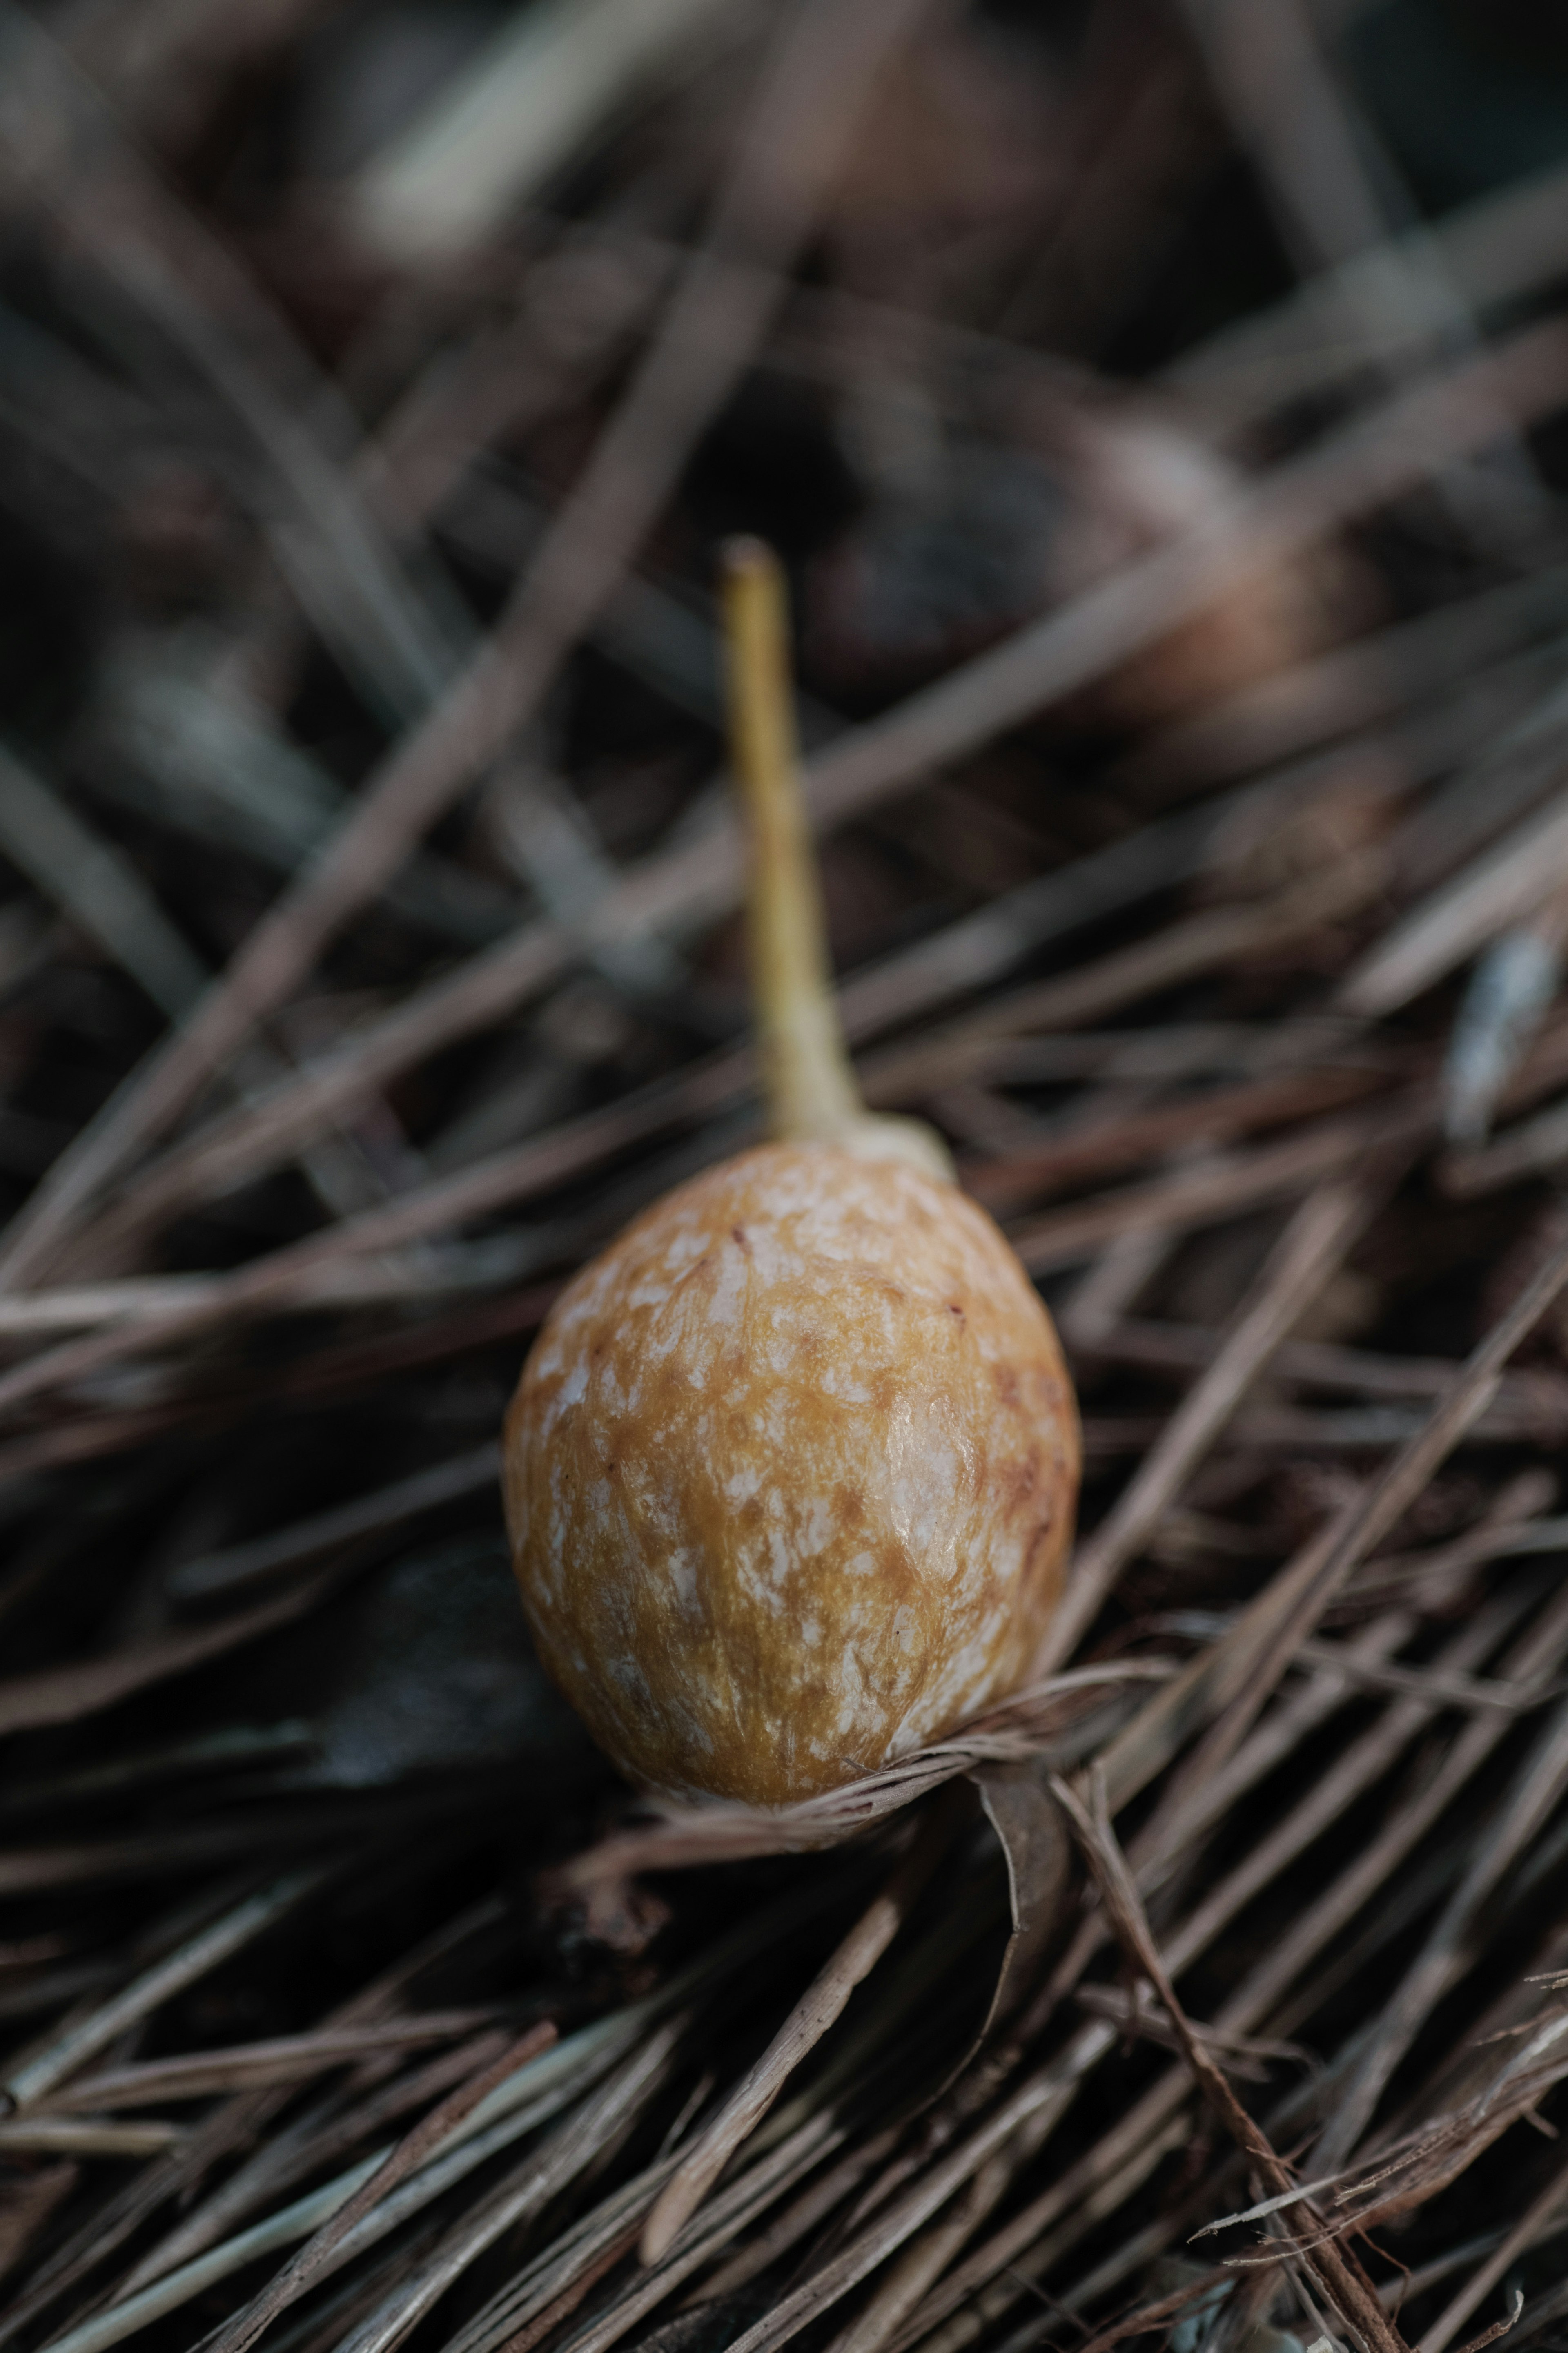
(809, 1082)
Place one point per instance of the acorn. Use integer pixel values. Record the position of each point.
(791, 1470)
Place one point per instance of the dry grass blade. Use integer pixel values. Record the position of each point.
(1243, 1669)
(63, 1695)
(285, 2059)
(1501, 245)
(1443, 1690)
(980, 948)
(40, 2071)
(176, 2287)
(1148, 2316)
(1136, 2141)
(535, 94)
(170, 1852)
(909, 2277)
(1361, 1765)
(1372, 679)
(1313, 1244)
(810, 2020)
(411, 2152)
(1529, 1803)
(89, 2137)
(1208, 1195)
(1317, 1364)
(1509, 883)
(232, 2125)
(1198, 944)
(1350, 2292)
(559, 2159)
(1039, 2095)
(1329, 181)
(1525, 2233)
(369, 1516)
(1219, 1117)
(97, 887)
(742, 2202)
(619, 2046)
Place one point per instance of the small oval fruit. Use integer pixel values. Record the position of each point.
(790, 1476)
(791, 1472)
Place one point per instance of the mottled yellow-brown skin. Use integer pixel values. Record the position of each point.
(790, 1476)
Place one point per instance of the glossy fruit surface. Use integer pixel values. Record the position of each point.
(790, 1476)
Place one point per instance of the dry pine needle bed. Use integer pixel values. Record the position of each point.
(1164, 448)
